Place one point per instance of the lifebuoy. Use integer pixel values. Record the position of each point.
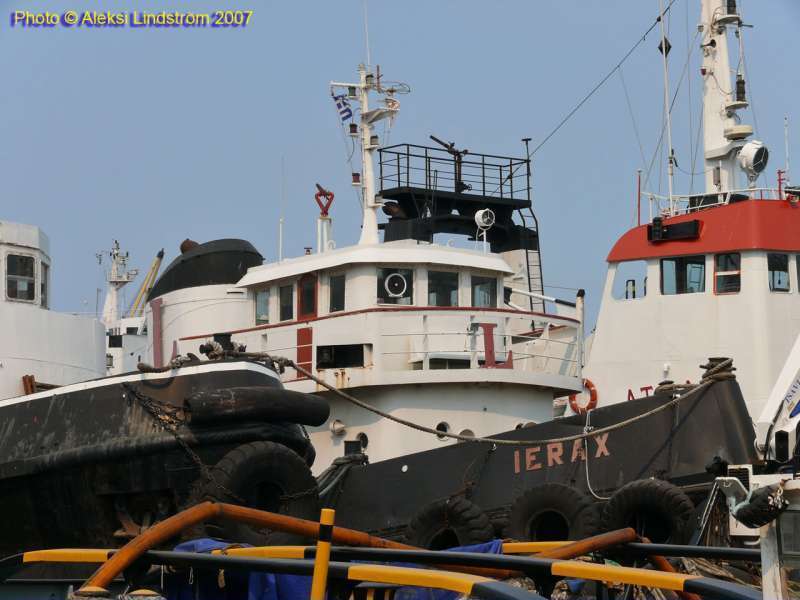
(449, 523)
(263, 474)
(591, 405)
(656, 509)
(552, 512)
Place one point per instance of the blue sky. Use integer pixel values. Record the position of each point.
(152, 136)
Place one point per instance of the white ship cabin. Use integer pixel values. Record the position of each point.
(715, 273)
(720, 280)
(41, 348)
(451, 338)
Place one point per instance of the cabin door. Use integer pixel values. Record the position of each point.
(307, 297)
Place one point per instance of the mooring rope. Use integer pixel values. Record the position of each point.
(708, 378)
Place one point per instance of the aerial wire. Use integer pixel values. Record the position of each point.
(600, 84)
(594, 90)
(366, 34)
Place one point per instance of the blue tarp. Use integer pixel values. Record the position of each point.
(238, 585)
(204, 585)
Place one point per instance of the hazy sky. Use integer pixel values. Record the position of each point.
(150, 136)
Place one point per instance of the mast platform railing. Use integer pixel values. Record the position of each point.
(435, 169)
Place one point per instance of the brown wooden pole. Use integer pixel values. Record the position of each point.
(595, 543)
(662, 564)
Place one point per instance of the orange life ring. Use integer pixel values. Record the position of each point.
(591, 405)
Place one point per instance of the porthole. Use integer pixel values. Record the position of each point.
(364, 439)
(443, 428)
(466, 433)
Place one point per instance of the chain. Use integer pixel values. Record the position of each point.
(169, 417)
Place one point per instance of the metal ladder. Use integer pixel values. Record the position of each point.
(533, 261)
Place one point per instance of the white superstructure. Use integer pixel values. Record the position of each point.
(40, 348)
(712, 274)
(452, 338)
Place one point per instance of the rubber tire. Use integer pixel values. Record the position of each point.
(243, 470)
(456, 521)
(672, 508)
(578, 511)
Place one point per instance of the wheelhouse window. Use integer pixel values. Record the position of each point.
(45, 285)
(797, 266)
(262, 306)
(630, 280)
(395, 286)
(778, 266)
(683, 275)
(336, 286)
(20, 277)
(727, 273)
(484, 291)
(286, 297)
(442, 288)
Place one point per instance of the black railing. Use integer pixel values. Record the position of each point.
(435, 169)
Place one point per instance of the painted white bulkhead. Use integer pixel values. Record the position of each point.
(642, 341)
(56, 348)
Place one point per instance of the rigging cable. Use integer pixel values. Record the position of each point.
(671, 106)
(591, 93)
(633, 117)
(600, 84)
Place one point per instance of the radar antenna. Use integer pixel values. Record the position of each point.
(458, 156)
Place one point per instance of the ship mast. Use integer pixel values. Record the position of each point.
(118, 276)
(359, 92)
(723, 134)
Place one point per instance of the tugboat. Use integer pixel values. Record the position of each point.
(85, 457)
(711, 273)
(459, 338)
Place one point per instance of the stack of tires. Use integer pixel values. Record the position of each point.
(656, 509)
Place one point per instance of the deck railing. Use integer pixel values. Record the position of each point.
(480, 341)
(683, 204)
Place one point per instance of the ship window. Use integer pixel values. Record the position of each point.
(262, 306)
(20, 279)
(778, 265)
(727, 273)
(286, 302)
(45, 285)
(341, 356)
(484, 291)
(395, 286)
(797, 263)
(630, 280)
(336, 285)
(683, 275)
(442, 288)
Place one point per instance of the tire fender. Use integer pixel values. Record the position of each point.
(553, 511)
(657, 509)
(448, 523)
(264, 475)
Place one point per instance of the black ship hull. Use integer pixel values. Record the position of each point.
(91, 463)
(675, 444)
